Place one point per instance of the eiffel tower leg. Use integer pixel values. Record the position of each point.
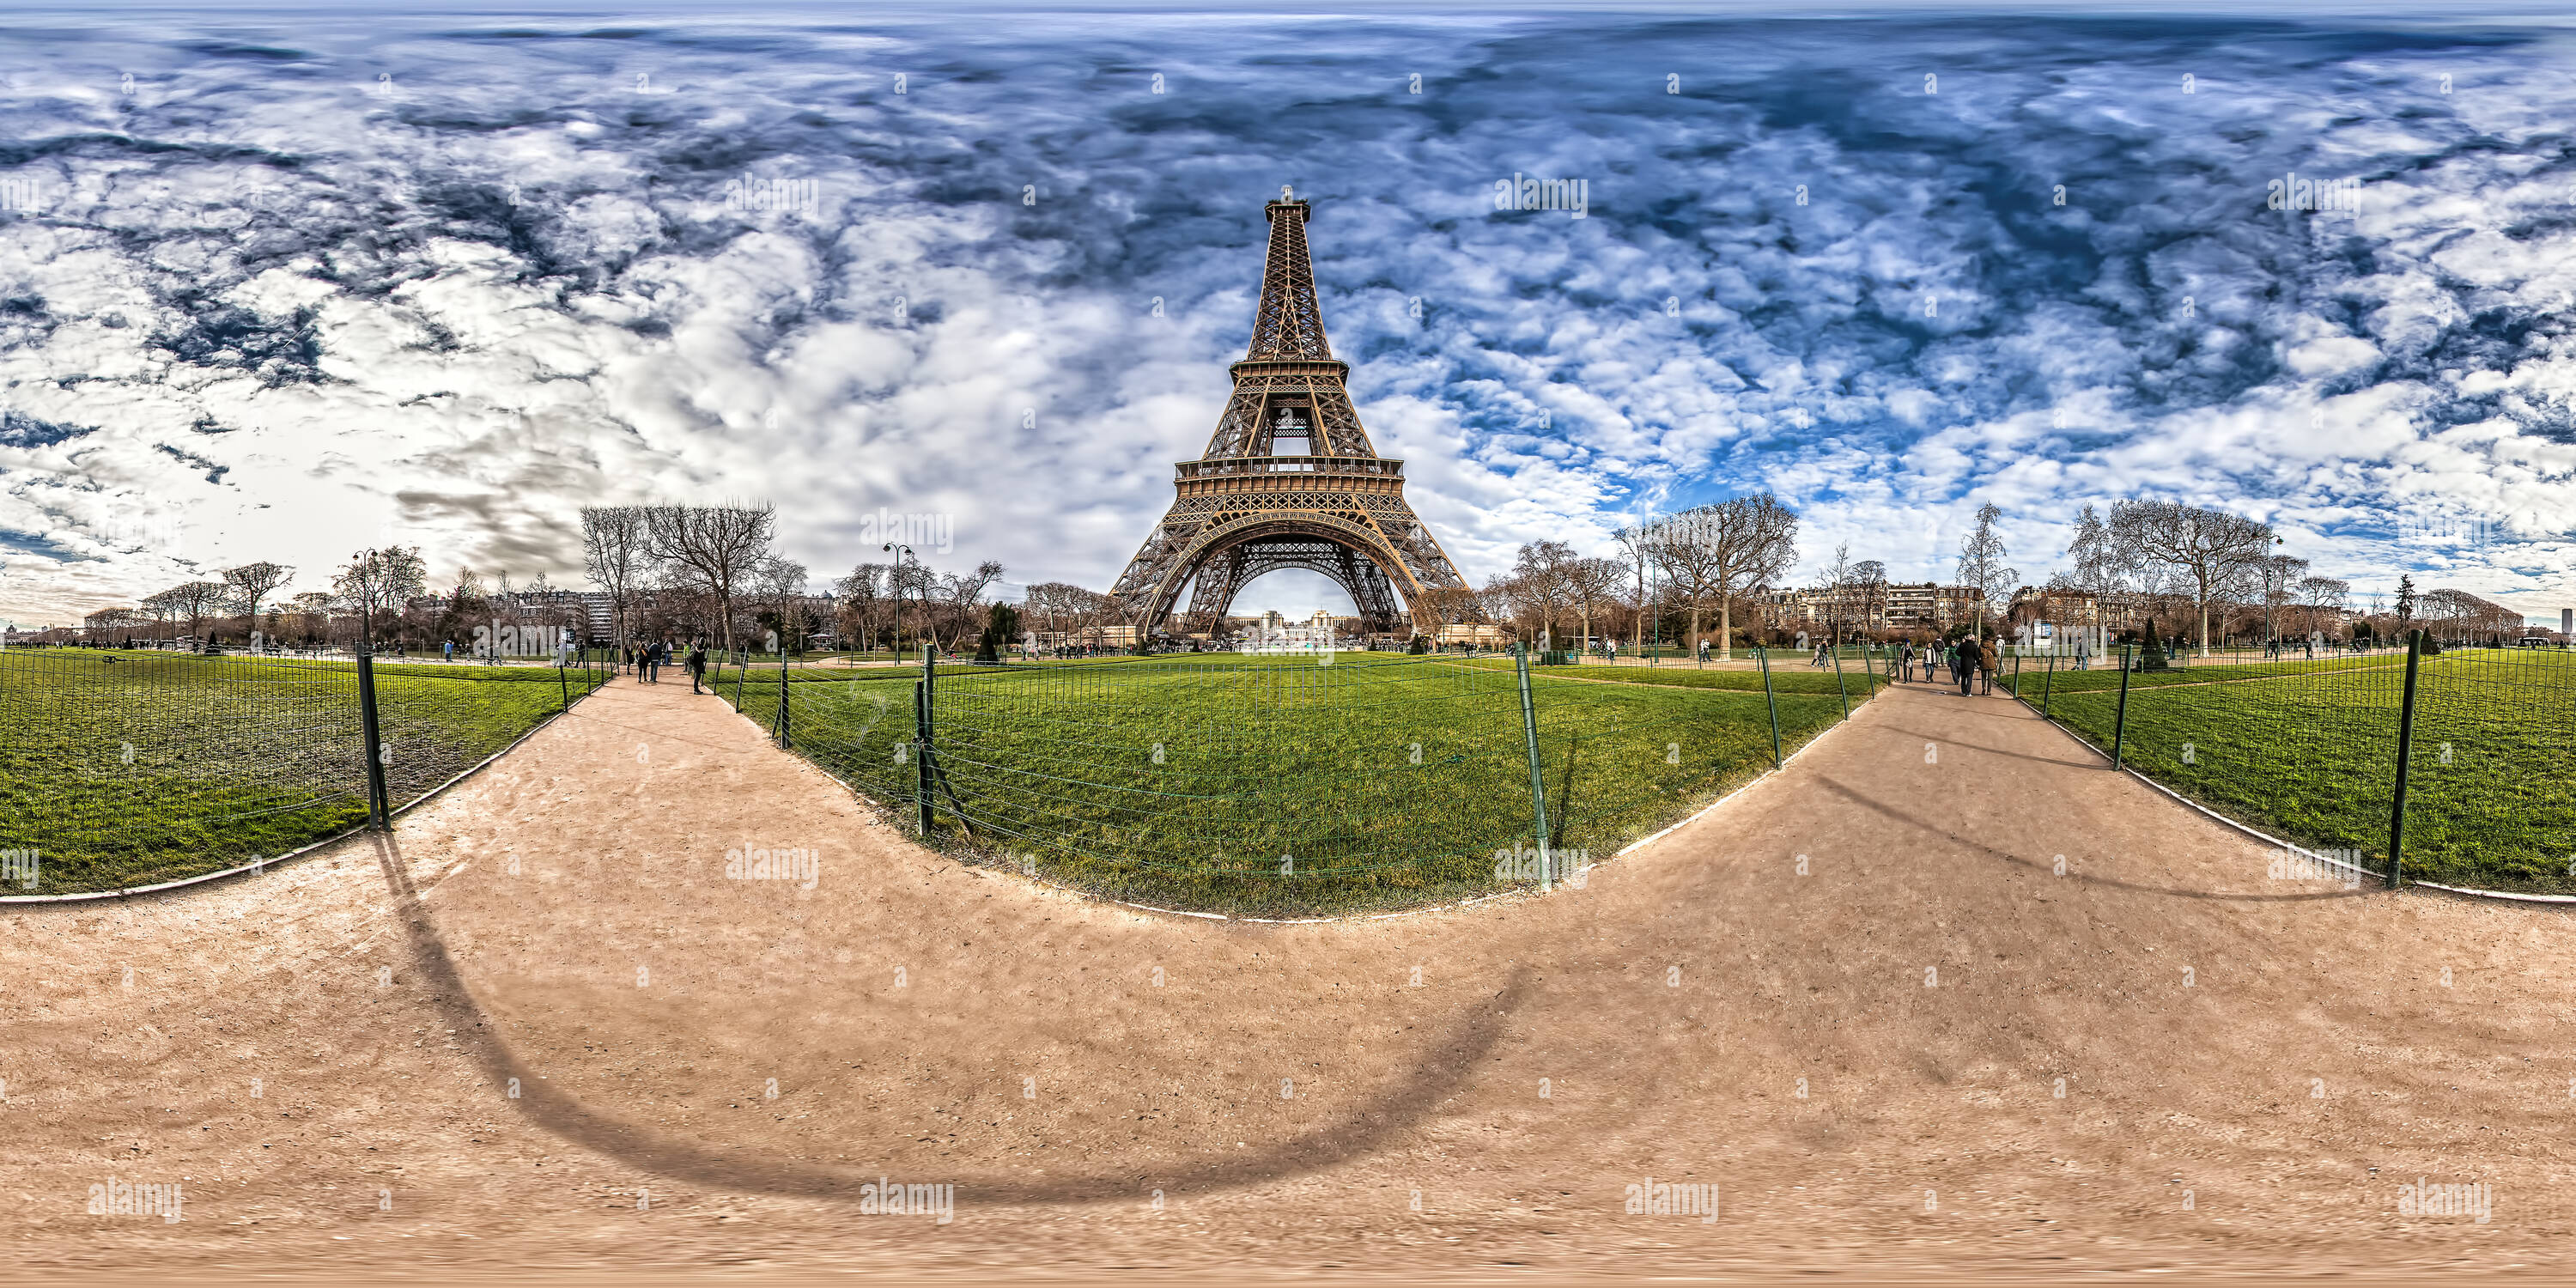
(1370, 591)
(1220, 579)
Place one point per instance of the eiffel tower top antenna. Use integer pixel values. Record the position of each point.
(1289, 324)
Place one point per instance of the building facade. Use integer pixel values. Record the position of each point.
(1916, 608)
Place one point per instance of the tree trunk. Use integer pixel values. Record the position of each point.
(1725, 628)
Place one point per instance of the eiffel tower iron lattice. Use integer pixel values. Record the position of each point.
(1289, 480)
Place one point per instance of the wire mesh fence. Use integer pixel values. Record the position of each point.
(2307, 749)
(121, 769)
(2492, 774)
(1267, 785)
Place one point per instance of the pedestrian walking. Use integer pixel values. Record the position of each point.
(1963, 665)
(697, 663)
(1986, 660)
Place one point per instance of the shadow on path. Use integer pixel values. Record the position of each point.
(1412, 1101)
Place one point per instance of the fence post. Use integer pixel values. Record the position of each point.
(922, 714)
(1538, 781)
(2405, 753)
(2047, 686)
(786, 736)
(2015, 682)
(379, 803)
(2120, 720)
(562, 683)
(1838, 681)
(1762, 657)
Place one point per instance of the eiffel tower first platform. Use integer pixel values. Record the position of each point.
(1289, 480)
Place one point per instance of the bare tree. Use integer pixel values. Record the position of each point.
(1633, 540)
(1838, 578)
(312, 617)
(2458, 615)
(252, 583)
(958, 594)
(1591, 583)
(164, 607)
(614, 553)
(195, 601)
(778, 584)
(2206, 552)
(106, 622)
(2101, 569)
(910, 582)
(375, 581)
(1540, 575)
(1869, 590)
(1982, 567)
(716, 545)
(2278, 573)
(1711, 553)
(859, 600)
(2323, 597)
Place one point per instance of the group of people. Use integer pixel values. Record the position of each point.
(649, 659)
(1967, 660)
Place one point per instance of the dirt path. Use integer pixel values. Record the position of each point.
(2238, 1053)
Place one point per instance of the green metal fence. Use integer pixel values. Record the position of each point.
(1289, 785)
(122, 769)
(2462, 762)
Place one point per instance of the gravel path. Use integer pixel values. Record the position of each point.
(2238, 1053)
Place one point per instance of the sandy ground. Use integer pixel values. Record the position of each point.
(2250, 1067)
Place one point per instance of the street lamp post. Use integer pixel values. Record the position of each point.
(2271, 569)
(902, 552)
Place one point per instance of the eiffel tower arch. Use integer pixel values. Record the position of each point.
(1289, 480)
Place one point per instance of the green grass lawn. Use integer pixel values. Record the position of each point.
(1282, 787)
(2307, 751)
(156, 766)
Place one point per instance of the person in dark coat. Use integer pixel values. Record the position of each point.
(697, 663)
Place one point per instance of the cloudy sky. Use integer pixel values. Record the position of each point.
(280, 285)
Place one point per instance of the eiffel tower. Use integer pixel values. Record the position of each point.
(1289, 480)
